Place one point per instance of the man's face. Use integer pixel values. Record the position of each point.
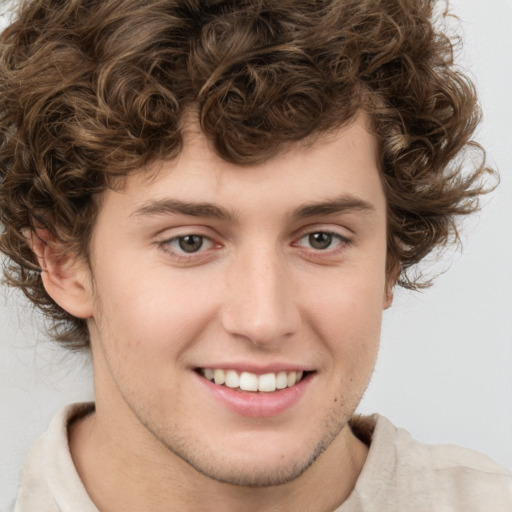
(261, 275)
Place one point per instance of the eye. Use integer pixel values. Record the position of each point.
(189, 243)
(321, 240)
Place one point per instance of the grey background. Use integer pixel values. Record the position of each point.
(445, 367)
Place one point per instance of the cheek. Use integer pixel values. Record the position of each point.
(152, 314)
(348, 316)
(350, 293)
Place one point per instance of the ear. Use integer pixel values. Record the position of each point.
(65, 277)
(388, 295)
(389, 290)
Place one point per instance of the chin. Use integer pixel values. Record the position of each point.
(258, 467)
(256, 475)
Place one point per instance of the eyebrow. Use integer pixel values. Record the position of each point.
(338, 205)
(174, 206)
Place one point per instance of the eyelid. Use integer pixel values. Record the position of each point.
(204, 238)
(322, 255)
(164, 243)
(342, 232)
(333, 234)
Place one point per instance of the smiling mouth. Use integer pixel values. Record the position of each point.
(247, 381)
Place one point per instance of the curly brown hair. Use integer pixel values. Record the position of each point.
(91, 90)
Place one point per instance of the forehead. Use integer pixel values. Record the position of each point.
(343, 162)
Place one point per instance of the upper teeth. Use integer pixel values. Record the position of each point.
(248, 381)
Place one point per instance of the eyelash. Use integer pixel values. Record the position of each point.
(181, 255)
(341, 240)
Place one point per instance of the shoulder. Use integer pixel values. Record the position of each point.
(49, 481)
(408, 474)
(467, 479)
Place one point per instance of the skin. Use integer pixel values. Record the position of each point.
(257, 293)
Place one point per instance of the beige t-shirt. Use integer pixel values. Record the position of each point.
(400, 474)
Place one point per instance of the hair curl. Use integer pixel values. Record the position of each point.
(91, 90)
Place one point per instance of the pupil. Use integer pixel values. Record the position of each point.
(320, 240)
(190, 243)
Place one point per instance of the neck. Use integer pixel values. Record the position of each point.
(123, 472)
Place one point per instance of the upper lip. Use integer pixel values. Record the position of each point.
(258, 369)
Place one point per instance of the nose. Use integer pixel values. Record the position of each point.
(260, 303)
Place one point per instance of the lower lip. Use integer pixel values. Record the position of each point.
(258, 405)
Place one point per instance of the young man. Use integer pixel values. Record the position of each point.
(217, 198)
